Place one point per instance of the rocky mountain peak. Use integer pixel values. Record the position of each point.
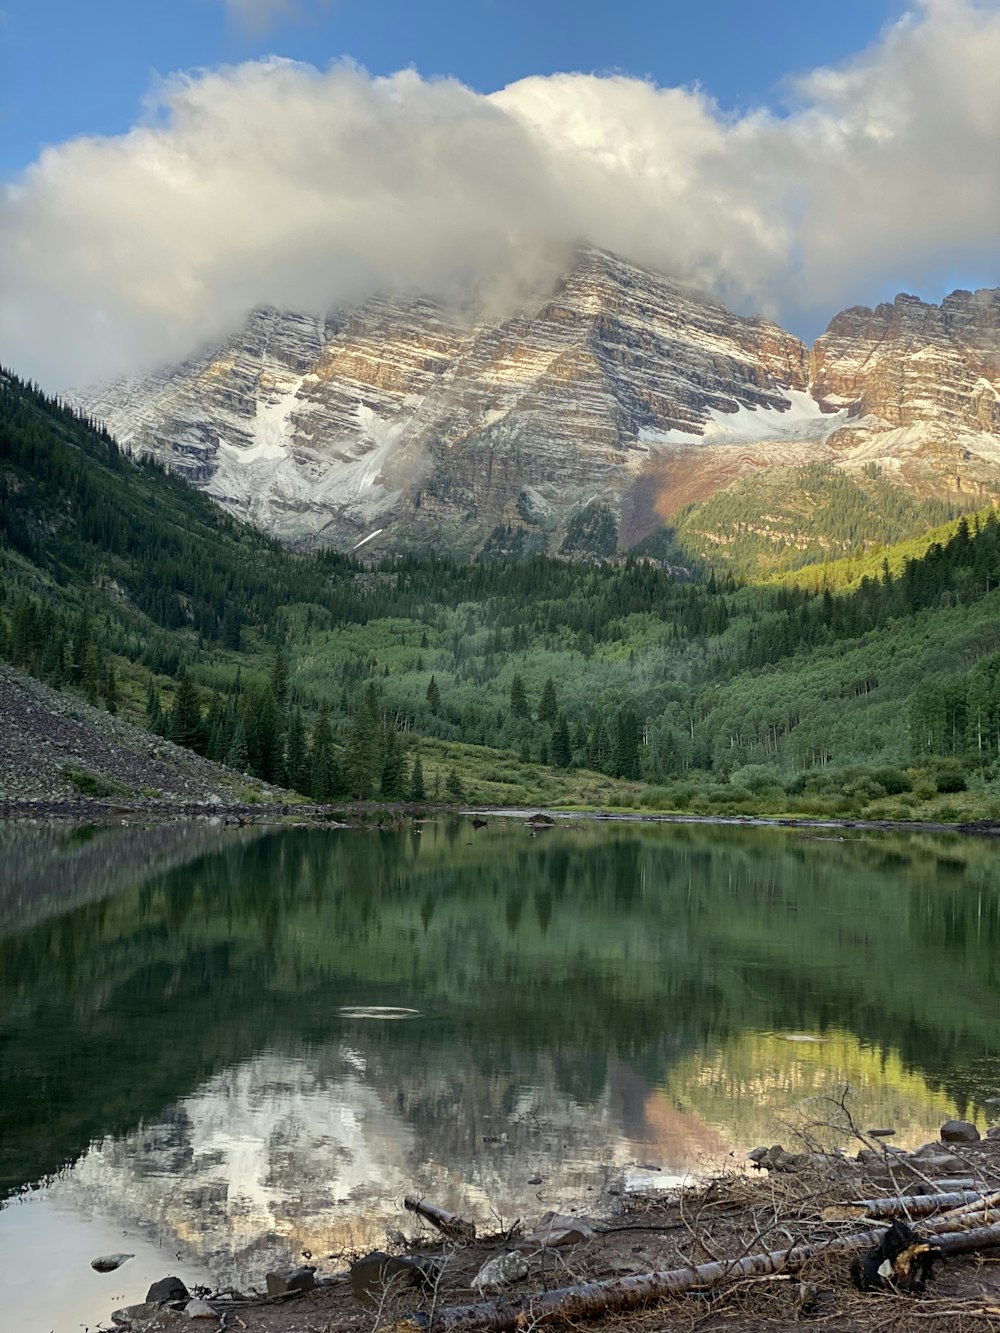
(409, 422)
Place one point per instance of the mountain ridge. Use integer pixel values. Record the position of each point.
(409, 424)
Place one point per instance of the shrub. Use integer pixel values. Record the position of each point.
(90, 784)
(893, 780)
(757, 778)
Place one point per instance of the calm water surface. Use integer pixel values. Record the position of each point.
(219, 1048)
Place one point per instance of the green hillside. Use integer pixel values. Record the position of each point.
(510, 681)
(788, 518)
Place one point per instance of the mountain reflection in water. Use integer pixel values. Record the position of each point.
(258, 1049)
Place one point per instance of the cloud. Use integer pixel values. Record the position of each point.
(274, 182)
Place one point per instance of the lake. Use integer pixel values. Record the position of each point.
(220, 1048)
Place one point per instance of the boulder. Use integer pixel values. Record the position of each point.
(959, 1131)
(776, 1158)
(280, 1284)
(931, 1159)
(500, 1272)
(199, 1309)
(556, 1230)
(149, 1317)
(107, 1263)
(378, 1270)
(168, 1289)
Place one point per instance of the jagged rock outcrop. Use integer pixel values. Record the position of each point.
(920, 384)
(408, 423)
(911, 362)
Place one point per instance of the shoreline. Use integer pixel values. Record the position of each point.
(804, 1237)
(359, 814)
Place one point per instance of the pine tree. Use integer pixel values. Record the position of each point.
(110, 691)
(265, 746)
(154, 714)
(417, 790)
(91, 672)
(433, 696)
(81, 641)
(453, 786)
(562, 752)
(296, 755)
(184, 724)
(392, 778)
(323, 767)
(548, 707)
(279, 680)
(361, 754)
(236, 754)
(626, 758)
(518, 698)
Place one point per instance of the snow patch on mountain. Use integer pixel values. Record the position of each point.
(802, 420)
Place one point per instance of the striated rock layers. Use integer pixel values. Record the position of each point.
(920, 384)
(405, 423)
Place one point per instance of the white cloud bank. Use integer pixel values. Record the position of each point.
(273, 182)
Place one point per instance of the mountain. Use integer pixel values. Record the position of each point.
(616, 399)
(519, 682)
(920, 386)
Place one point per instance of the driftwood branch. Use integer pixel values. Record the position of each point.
(628, 1293)
(913, 1205)
(454, 1227)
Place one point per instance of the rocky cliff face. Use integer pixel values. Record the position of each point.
(920, 385)
(405, 423)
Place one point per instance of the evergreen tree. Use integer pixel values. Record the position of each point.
(154, 715)
(279, 681)
(265, 747)
(236, 752)
(110, 690)
(80, 643)
(230, 634)
(361, 754)
(453, 786)
(548, 707)
(518, 698)
(296, 754)
(392, 781)
(433, 696)
(91, 672)
(562, 753)
(626, 757)
(598, 746)
(184, 724)
(322, 762)
(417, 790)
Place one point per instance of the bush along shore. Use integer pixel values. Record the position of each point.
(885, 1239)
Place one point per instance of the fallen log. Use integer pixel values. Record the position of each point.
(968, 1242)
(984, 1204)
(589, 1299)
(449, 1224)
(908, 1205)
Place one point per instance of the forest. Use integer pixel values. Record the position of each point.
(865, 684)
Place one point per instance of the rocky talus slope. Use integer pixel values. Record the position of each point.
(406, 423)
(56, 749)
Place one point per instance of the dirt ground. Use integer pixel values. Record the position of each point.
(732, 1216)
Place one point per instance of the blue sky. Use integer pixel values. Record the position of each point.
(72, 68)
(166, 165)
